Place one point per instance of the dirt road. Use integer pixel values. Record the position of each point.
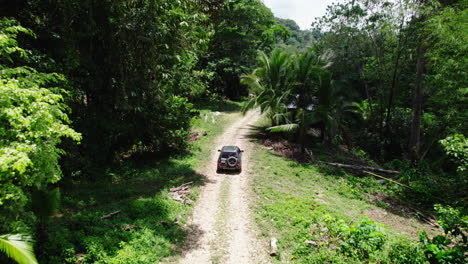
(220, 228)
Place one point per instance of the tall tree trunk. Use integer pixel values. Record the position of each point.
(302, 138)
(302, 130)
(394, 78)
(387, 131)
(415, 137)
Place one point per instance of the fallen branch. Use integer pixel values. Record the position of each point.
(128, 227)
(309, 153)
(362, 168)
(310, 242)
(390, 180)
(180, 193)
(110, 215)
(273, 246)
(177, 197)
(178, 218)
(421, 215)
(181, 187)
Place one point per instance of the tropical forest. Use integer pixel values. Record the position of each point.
(217, 131)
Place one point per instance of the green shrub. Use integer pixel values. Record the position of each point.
(456, 146)
(364, 239)
(452, 246)
(405, 252)
(33, 120)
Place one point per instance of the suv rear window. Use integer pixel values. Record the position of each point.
(228, 154)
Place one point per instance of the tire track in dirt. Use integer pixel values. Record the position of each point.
(220, 230)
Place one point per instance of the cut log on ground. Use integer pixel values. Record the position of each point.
(110, 215)
(362, 168)
(273, 247)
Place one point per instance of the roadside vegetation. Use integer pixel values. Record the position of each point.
(370, 95)
(96, 103)
(149, 225)
(106, 105)
(320, 214)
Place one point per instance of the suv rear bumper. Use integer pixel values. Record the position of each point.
(228, 168)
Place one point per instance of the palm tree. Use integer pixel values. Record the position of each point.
(302, 84)
(18, 248)
(310, 80)
(271, 83)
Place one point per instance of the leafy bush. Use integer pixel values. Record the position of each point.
(456, 146)
(364, 239)
(360, 243)
(453, 245)
(33, 120)
(405, 251)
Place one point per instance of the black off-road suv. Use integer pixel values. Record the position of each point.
(230, 158)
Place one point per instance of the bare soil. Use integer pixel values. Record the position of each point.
(220, 229)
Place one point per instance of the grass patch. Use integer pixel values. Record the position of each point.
(226, 106)
(146, 230)
(320, 215)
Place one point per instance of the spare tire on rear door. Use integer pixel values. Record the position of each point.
(232, 161)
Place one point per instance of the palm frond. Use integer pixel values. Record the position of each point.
(253, 81)
(250, 104)
(288, 128)
(18, 248)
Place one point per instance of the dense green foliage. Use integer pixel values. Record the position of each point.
(123, 74)
(298, 39)
(241, 28)
(320, 216)
(86, 86)
(124, 60)
(295, 91)
(33, 120)
(130, 64)
(405, 73)
(150, 224)
(453, 245)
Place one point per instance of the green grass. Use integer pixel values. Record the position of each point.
(302, 202)
(145, 231)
